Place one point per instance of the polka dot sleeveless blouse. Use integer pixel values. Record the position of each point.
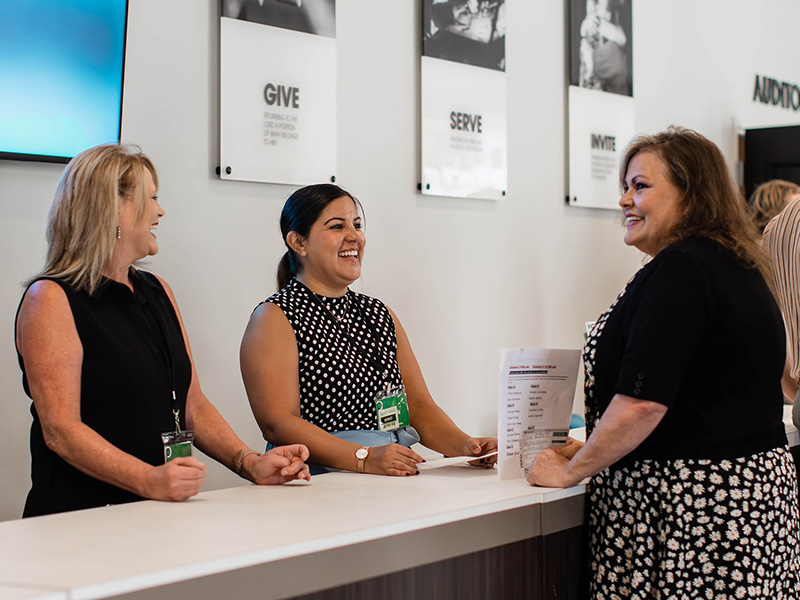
(334, 337)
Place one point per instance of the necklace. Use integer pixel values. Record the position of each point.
(373, 361)
(325, 306)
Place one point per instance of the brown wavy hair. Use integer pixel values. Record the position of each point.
(768, 199)
(713, 207)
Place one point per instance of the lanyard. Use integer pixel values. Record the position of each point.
(382, 369)
(165, 351)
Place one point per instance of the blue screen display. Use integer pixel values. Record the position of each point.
(61, 72)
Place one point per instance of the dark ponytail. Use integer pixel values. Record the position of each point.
(301, 211)
(285, 270)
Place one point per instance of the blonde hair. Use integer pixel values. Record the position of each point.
(712, 205)
(83, 219)
(768, 199)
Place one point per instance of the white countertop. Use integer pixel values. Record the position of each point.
(17, 593)
(118, 549)
(261, 530)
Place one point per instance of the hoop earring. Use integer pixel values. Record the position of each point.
(119, 232)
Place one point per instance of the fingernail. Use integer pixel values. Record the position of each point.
(417, 473)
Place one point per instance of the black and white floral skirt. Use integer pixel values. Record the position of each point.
(723, 529)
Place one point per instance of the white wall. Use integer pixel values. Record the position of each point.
(466, 277)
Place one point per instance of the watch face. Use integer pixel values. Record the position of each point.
(362, 453)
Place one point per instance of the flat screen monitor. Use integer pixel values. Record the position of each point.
(771, 153)
(61, 74)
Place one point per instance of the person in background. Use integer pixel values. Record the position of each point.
(768, 199)
(781, 241)
(693, 491)
(105, 357)
(319, 360)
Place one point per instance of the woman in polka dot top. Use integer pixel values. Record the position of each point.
(315, 355)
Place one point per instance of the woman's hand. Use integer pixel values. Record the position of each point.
(279, 465)
(549, 469)
(478, 447)
(569, 449)
(392, 459)
(175, 481)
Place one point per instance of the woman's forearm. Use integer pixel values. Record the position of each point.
(90, 453)
(625, 424)
(213, 435)
(325, 449)
(437, 431)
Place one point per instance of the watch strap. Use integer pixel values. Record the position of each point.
(361, 463)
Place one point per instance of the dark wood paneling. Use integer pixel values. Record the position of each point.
(549, 567)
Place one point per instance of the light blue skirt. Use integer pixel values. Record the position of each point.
(405, 436)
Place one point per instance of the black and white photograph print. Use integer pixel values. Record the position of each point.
(317, 17)
(465, 31)
(600, 45)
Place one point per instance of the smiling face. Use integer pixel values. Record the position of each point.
(330, 256)
(137, 235)
(651, 204)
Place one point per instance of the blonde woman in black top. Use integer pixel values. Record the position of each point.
(105, 357)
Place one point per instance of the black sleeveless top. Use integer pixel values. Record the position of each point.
(133, 355)
(338, 383)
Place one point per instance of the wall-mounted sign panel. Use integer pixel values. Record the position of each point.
(600, 126)
(278, 92)
(464, 148)
(463, 84)
(601, 109)
(769, 102)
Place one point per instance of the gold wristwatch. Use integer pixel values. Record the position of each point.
(361, 459)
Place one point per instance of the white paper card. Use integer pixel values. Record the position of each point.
(451, 460)
(537, 387)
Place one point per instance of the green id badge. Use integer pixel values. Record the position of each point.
(177, 444)
(392, 409)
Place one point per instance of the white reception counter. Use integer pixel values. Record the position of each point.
(281, 541)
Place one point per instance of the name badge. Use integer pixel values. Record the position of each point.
(392, 409)
(177, 444)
